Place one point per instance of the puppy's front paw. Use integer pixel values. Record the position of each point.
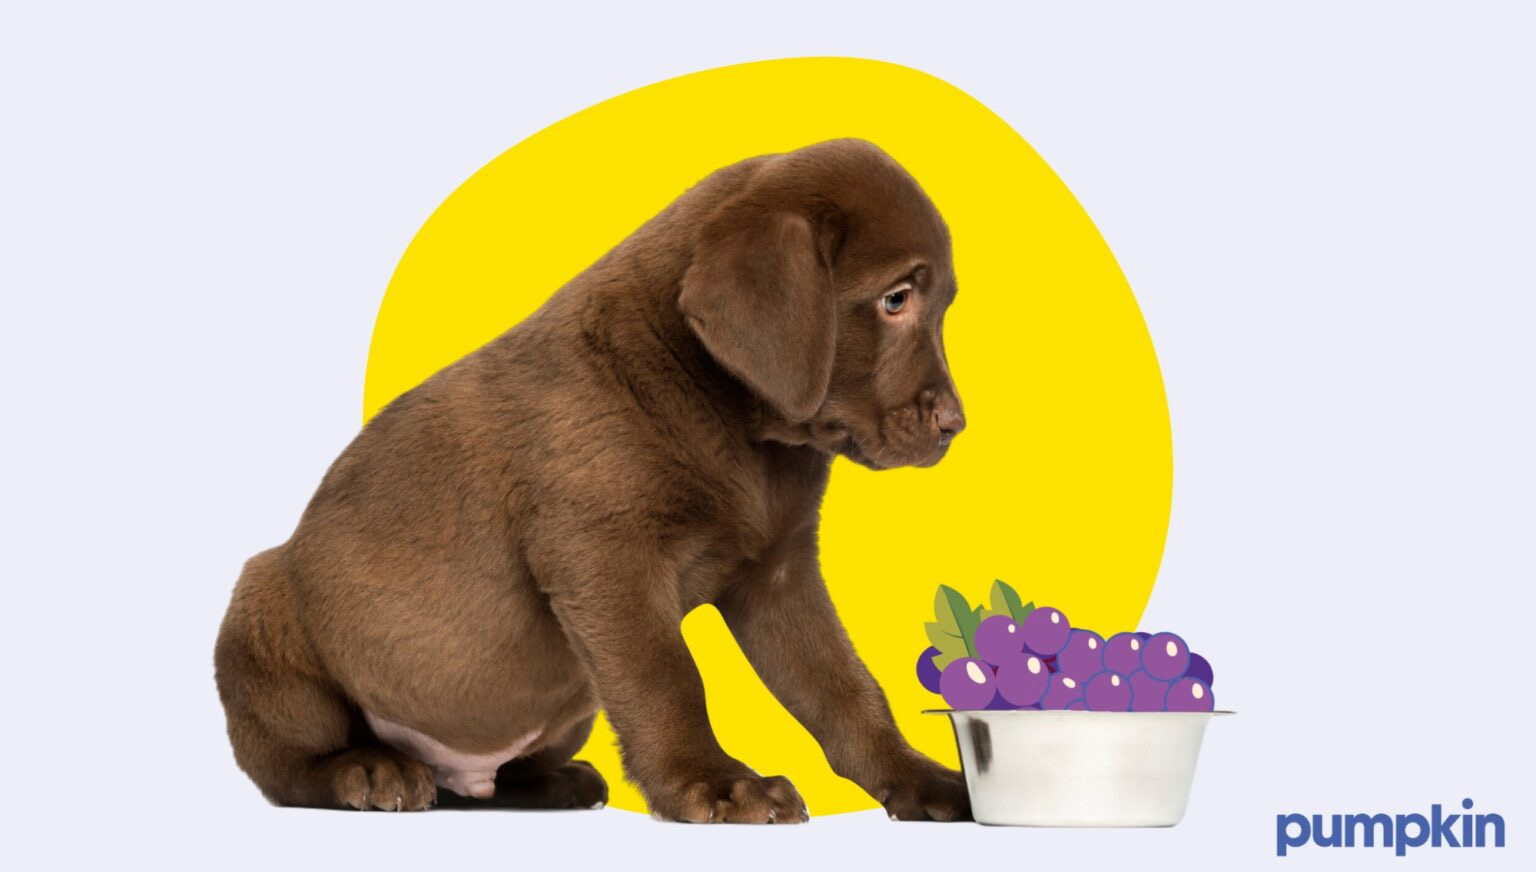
(737, 798)
(928, 793)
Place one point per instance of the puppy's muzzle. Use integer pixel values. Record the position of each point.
(948, 419)
(945, 415)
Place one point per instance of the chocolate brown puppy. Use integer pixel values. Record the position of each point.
(513, 544)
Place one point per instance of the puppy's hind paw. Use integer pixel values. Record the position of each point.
(575, 785)
(381, 779)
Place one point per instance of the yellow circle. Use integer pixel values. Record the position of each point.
(1062, 481)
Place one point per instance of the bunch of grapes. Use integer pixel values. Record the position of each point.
(1016, 656)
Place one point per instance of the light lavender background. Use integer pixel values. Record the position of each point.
(1324, 209)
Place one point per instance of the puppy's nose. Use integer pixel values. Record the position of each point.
(948, 418)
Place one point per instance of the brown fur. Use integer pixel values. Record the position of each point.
(513, 544)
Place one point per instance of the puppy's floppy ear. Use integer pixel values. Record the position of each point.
(759, 295)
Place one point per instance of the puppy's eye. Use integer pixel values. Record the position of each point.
(894, 301)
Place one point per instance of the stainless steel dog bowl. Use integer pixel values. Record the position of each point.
(1078, 768)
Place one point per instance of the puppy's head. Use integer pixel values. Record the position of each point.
(821, 283)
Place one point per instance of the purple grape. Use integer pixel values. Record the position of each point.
(1147, 693)
(1190, 695)
(998, 639)
(1083, 657)
(1142, 636)
(1062, 690)
(1045, 631)
(1165, 657)
(1052, 664)
(1200, 668)
(1122, 653)
(1022, 680)
(1108, 692)
(1076, 705)
(967, 683)
(927, 672)
(999, 704)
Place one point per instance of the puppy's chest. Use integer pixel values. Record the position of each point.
(751, 535)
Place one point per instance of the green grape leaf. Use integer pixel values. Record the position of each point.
(951, 646)
(955, 625)
(1005, 600)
